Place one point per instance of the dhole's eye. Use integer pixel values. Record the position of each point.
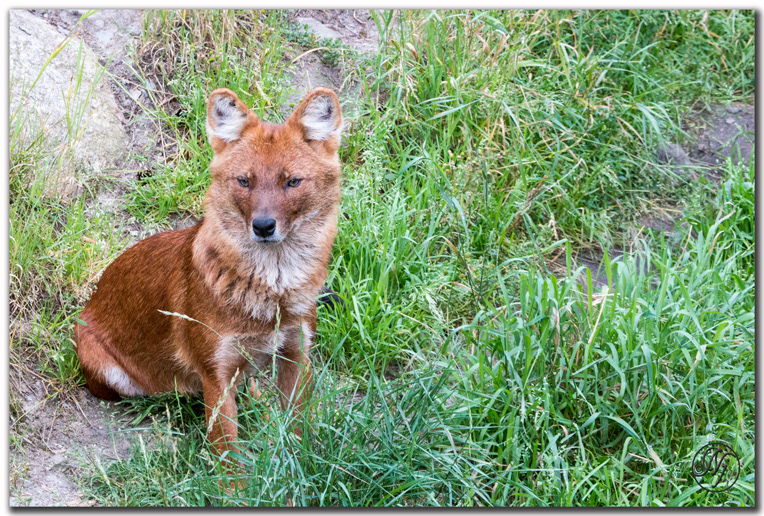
(294, 182)
(244, 182)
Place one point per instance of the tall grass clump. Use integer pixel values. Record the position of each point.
(734, 202)
(602, 399)
(567, 107)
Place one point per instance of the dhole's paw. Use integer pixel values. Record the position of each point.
(255, 394)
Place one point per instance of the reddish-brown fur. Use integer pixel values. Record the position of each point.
(219, 274)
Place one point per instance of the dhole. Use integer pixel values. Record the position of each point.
(248, 273)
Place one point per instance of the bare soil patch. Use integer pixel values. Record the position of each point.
(355, 27)
(721, 132)
(60, 432)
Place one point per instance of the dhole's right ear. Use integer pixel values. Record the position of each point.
(227, 116)
(319, 118)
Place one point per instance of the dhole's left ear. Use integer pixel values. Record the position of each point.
(227, 116)
(319, 117)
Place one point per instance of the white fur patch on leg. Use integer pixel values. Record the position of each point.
(274, 343)
(321, 118)
(306, 336)
(228, 119)
(118, 380)
(227, 353)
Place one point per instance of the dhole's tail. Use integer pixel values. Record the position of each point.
(330, 299)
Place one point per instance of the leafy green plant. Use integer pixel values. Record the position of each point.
(330, 49)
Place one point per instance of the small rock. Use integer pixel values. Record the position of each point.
(135, 94)
(57, 459)
(134, 30)
(318, 28)
(54, 461)
(730, 120)
(104, 36)
(149, 85)
(733, 109)
(672, 154)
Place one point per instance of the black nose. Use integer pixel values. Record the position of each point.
(263, 227)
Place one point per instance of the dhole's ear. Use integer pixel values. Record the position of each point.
(226, 118)
(319, 117)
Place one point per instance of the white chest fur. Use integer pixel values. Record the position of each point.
(258, 278)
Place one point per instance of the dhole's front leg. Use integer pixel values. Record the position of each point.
(294, 374)
(220, 409)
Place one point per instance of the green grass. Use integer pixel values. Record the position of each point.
(331, 50)
(469, 368)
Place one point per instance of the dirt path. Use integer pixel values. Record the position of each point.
(59, 433)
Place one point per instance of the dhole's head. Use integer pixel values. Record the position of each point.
(271, 180)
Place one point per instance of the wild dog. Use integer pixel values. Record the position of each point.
(197, 309)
